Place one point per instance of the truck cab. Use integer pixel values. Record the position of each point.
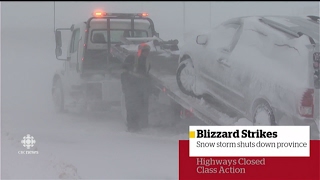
(90, 72)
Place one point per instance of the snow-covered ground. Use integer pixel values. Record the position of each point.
(70, 146)
(87, 146)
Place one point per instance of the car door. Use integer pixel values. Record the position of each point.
(72, 76)
(233, 81)
(216, 58)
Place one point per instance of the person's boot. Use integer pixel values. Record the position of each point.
(133, 127)
(144, 123)
(144, 118)
(130, 127)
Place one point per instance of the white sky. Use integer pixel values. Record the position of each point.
(168, 16)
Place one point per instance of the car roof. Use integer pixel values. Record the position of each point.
(305, 25)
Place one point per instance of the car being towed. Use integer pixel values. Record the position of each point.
(265, 68)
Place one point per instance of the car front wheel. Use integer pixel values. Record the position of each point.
(186, 77)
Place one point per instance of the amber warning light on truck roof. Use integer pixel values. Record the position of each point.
(144, 14)
(99, 14)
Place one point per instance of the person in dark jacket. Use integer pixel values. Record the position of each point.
(130, 89)
(141, 69)
(137, 88)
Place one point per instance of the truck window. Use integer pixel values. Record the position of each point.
(117, 34)
(75, 41)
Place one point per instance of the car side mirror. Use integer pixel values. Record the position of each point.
(202, 39)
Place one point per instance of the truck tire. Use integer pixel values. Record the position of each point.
(184, 67)
(58, 96)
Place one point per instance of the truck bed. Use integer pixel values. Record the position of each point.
(164, 64)
(204, 110)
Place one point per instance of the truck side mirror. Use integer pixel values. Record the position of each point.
(58, 52)
(58, 39)
(157, 34)
(58, 44)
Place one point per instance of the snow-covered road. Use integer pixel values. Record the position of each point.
(92, 146)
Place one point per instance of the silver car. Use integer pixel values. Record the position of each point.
(265, 68)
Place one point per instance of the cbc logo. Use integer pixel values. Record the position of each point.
(28, 141)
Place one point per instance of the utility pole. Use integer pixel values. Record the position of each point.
(210, 14)
(54, 16)
(184, 18)
(142, 6)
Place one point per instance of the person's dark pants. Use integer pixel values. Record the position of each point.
(130, 89)
(137, 101)
(137, 112)
(144, 94)
(144, 111)
(132, 117)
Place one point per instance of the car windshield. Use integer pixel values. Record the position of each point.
(116, 35)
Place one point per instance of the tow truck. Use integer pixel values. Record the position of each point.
(90, 76)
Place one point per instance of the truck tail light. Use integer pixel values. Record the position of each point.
(306, 106)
